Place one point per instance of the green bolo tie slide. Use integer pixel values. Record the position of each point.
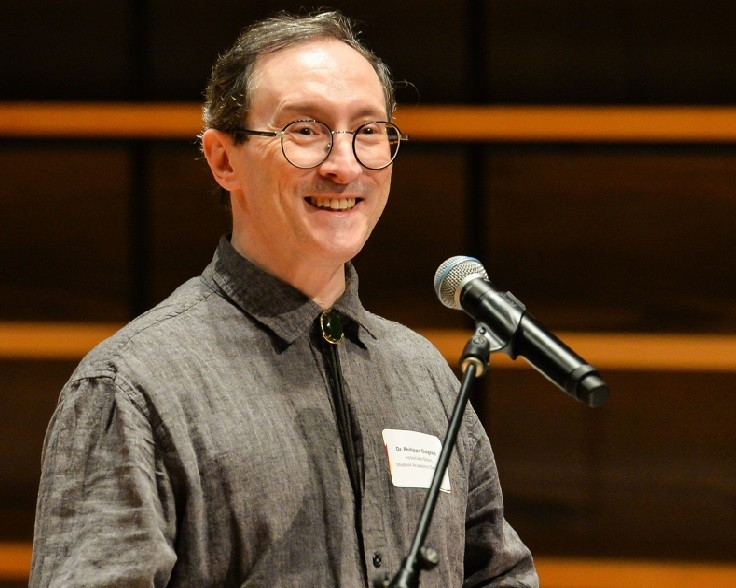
(331, 327)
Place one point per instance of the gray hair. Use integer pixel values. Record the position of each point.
(230, 88)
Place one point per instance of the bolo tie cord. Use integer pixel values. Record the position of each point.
(350, 438)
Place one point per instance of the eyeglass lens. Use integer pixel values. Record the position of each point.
(307, 144)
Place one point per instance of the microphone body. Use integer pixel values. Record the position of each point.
(462, 283)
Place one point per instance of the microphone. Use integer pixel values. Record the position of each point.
(461, 283)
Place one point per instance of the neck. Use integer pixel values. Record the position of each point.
(323, 283)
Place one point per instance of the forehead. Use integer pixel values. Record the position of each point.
(325, 73)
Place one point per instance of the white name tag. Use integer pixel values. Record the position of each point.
(412, 457)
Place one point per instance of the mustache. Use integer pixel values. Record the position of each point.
(327, 187)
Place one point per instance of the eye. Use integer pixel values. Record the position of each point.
(370, 129)
(307, 128)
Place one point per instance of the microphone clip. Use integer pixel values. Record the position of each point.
(502, 313)
(506, 312)
(478, 349)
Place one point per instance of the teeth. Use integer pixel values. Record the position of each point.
(333, 203)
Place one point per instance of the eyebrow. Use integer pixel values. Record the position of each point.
(305, 108)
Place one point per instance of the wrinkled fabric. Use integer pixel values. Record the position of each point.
(198, 447)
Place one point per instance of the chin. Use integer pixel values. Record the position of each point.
(341, 252)
(339, 244)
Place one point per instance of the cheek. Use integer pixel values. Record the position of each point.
(384, 187)
(270, 179)
(379, 206)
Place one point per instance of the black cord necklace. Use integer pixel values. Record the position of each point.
(350, 437)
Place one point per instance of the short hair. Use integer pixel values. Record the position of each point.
(230, 89)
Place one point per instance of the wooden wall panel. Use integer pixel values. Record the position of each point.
(66, 51)
(29, 390)
(616, 238)
(495, 51)
(64, 225)
(438, 70)
(651, 472)
(186, 216)
(609, 52)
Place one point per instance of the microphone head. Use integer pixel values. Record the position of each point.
(452, 275)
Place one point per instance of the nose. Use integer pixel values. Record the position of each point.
(341, 166)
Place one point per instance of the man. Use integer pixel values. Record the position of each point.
(241, 433)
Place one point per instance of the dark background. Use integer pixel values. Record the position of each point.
(618, 238)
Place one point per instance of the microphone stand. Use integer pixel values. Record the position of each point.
(421, 557)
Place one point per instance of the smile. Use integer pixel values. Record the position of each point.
(337, 204)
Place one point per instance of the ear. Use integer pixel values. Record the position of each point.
(217, 147)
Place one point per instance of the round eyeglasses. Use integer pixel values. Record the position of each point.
(307, 143)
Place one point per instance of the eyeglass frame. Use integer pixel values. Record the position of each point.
(280, 134)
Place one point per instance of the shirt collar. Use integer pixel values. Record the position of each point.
(284, 310)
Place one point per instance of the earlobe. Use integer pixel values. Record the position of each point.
(217, 147)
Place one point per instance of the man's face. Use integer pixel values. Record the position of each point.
(285, 215)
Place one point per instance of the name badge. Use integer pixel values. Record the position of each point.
(412, 458)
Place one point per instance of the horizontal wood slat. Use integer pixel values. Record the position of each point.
(166, 120)
(19, 340)
(595, 573)
(569, 124)
(610, 351)
(100, 120)
(619, 351)
(15, 563)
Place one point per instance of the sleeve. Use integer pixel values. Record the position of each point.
(102, 517)
(494, 554)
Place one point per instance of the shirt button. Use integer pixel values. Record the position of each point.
(377, 560)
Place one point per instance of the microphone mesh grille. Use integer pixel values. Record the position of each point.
(450, 276)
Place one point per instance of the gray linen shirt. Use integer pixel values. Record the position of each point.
(198, 447)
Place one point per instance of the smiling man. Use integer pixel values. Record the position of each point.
(303, 205)
(260, 427)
